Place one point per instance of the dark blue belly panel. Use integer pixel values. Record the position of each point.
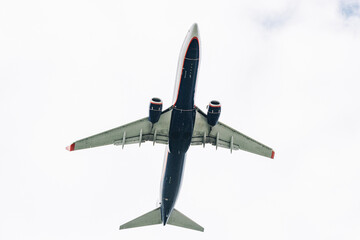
(183, 114)
(171, 183)
(181, 130)
(185, 98)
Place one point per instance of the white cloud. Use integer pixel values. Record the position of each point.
(350, 8)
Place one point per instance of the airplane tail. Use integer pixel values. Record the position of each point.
(180, 220)
(154, 217)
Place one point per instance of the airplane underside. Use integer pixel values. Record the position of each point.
(178, 127)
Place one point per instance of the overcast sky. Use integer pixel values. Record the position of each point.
(286, 73)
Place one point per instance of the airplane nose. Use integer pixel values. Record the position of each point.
(194, 29)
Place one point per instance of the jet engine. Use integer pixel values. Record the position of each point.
(155, 110)
(213, 113)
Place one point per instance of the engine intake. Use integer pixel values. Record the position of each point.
(155, 110)
(213, 113)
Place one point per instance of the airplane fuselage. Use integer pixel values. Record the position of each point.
(181, 123)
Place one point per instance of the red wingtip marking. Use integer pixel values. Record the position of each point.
(71, 147)
(272, 154)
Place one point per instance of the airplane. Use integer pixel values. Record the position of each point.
(178, 127)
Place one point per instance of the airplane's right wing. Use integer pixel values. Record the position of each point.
(134, 132)
(224, 136)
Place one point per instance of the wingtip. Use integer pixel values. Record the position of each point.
(71, 147)
(272, 154)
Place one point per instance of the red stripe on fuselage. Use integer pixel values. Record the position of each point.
(183, 67)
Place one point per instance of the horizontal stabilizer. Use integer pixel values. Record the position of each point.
(150, 218)
(180, 220)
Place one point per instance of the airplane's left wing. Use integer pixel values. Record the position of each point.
(135, 132)
(224, 136)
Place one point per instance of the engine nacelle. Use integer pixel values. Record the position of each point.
(155, 110)
(213, 113)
